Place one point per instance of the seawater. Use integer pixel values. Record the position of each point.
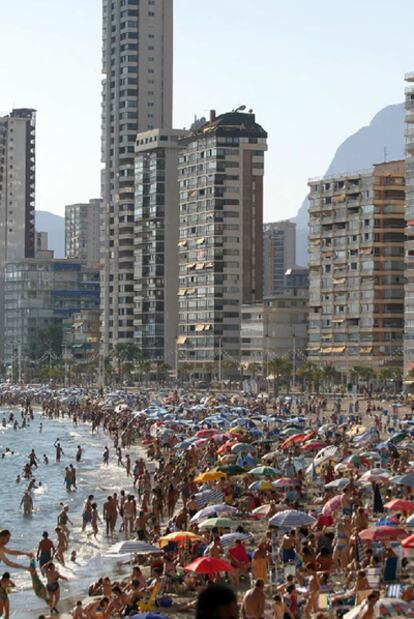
(93, 477)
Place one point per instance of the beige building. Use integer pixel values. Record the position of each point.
(220, 173)
(409, 230)
(155, 243)
(356, 247)
(136, 97)
(82, 231)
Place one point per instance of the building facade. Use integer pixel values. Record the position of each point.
(277, 327)
(136, 97)
(82, 231)
(356, 247)
(155, 243)
(279, 254)
(221, 169)
(81, 336)
(409, 230)
(17, 193)
(40, 293)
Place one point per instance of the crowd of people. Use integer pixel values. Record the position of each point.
(234, 504)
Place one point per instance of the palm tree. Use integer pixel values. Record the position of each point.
(329, 375)
(384, 375)
(254, 368)
(125, 353)
(279, 368)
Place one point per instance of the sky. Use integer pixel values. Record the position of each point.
(314, 72)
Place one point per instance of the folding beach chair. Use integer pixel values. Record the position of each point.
(374, 577)
(394, 591)
(149, 604)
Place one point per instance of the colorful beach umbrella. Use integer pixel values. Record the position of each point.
(327, 453)
(283, 482)
(407, 479)
(381, 533)
(261, 484)
(398, 505)
(231, 469)
(221, 509)
(209, 565)
(221, 523)
(212, 475)
(178, 537)
(264, 471)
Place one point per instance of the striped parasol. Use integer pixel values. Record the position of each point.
(291, 518)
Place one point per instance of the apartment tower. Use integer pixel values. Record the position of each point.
(156, 239)
(136, 97)
(221, 169)
(82, 231)
(17, 193)
(279, 254)
(409, 230)
(356, 262)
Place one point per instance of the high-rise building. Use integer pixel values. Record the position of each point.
(136, 97)
(221, 169)
(409, 230)
(17, 193)
(41, 242)
(279, 254)
(82, 231)
(356, 268)
(156, 238)
(39, 294)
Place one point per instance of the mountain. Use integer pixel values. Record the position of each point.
(54, 225)
(383, 136)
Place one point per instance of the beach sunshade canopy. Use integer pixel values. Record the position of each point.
(214, 510)
(408, 542)
(407, 479)
(209, 476)
(291, 518)
(380, 533)
(178, 537)
(337, 484)
(264, 471)
(398, 505)
(229, 539)
(221, 523)
(261, 485)
(327, 453)
(231, 469)
(209, 565)
(332, 505)
(283, 482)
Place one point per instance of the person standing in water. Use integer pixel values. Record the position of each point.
(79, 454)
(27, 504)
(59, 450)
(5, 537)
(45, 550)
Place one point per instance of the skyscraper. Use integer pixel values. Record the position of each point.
(17, 193)
(156, 238)
(221, 169)
(82, 231)
(279, 254)
(409, 230)
(136, 97)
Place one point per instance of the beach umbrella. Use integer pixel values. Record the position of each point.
(263, 511)
(289, 432)
(293, 440)
(398, 505)
(231, 469)
(283, 482)
(134, 547)
(385, 607)
(408, 542)
(229, 539)
(240, 447)
(270, 456)
(356, 430)
(327, 453)
(208, 565)
(407, 479)
(226, 446)
(291, 518)
(264, 471)
(208, 496)
(337, 484)
(229, 458)
(214, 510)
(178, 537)
(261, 484)
(397, 438)
(332, 505)
(212, 475)
(221, 523)
(206, 433)
(371, 455)
(149, 615)
(380, 533)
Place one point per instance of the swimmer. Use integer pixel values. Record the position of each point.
(59, 450)
(27, 504)
(73, 556)
(18, 479)
(79, 454)
(45, 459)
(40, 427)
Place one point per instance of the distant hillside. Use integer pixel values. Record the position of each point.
(360, 151)
(54, 225)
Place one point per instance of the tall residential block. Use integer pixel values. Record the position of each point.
(82, 231)
(136, 97)
(279, 254)
(356, 279)
(221, 169)
(156, 239)
(17, 193)
(409, 230)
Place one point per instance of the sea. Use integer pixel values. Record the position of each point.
(93, 477)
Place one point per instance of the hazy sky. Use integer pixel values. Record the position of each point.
(314, 71)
